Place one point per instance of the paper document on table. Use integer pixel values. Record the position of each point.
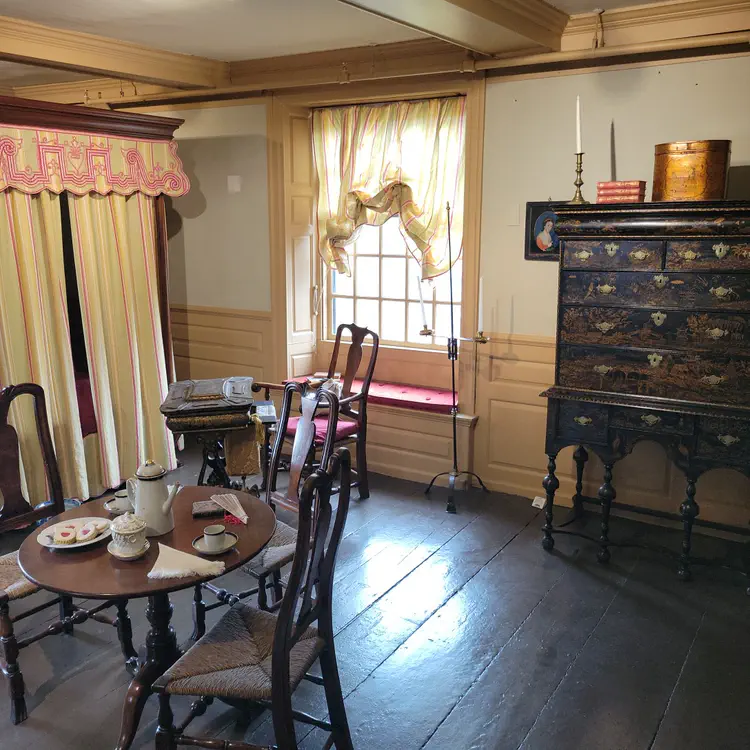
(231, 504)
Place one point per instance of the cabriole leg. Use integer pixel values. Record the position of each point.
(550, 484)
(606, 494)
(689, 511)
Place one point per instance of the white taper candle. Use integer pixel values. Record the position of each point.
(421, 302)
(579, 145)
(480, 310)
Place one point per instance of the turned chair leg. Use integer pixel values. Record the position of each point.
(364, 484)
(199, 613)
(165, 732)
(278, 590)
(9, 648)
(66, 611)
(262, 594)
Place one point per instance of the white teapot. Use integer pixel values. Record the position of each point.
(152, 498)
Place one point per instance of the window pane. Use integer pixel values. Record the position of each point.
(443, 321)
(414, 325)
(394, 321)
(394, 277)
(368, 241)
(393, 242)
(343, 312)
(366, 277)
(341, 283)
(442, 287)
(367, 314)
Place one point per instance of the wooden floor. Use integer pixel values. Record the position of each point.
(458, 632)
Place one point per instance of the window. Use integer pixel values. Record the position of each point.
(383, 292)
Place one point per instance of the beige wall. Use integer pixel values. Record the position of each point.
(529, 144)
(219, 239)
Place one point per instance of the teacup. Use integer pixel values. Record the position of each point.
(214, 537)
(121, 502)
(128, 535)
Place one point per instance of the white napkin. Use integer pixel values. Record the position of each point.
(171, 563)
(231, 504)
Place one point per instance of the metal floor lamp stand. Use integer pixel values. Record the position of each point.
(455, 473)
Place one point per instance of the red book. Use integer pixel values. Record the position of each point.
(620, 191)
(620, 199)
(640, 184)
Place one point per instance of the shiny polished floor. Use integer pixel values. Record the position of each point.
(458, 632)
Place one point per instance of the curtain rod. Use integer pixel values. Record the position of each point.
(392, 101)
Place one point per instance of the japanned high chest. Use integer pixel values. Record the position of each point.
(653, 342)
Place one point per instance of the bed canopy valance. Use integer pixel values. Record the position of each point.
(83, 252)
(47, 147)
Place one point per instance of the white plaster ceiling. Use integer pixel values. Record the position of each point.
(221, 29)
(589, 6)
(17, 74)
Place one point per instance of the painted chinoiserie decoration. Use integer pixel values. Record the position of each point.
(653, 342)
(691, 170)
(541, 241)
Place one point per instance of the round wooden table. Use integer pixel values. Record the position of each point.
(93, 573)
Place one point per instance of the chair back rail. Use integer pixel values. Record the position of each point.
(354, 358)
(15, 510)
(304, 438)
(310, 586)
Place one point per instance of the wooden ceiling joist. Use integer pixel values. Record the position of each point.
(35, 44)
(483, 26)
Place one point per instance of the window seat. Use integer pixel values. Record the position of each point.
(420, 398)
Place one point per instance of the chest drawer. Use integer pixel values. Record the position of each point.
(582, 421)
(651, 372)
(659, 422)
(708, 255)
(724, 440)
(615, 254)
(628, 289)
(693, 331)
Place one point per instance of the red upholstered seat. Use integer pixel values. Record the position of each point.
(343, 429)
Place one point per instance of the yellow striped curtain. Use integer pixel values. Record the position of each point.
(114, 239)
(34, 339)
(376, 161)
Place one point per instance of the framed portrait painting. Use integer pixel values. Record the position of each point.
(540, 240)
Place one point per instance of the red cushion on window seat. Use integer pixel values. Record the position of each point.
(416, 397)
(343, 429)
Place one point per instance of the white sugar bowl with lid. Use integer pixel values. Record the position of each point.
(128, 536)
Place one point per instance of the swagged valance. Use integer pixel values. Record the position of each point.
(32, 161)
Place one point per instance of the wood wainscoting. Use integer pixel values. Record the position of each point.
(215, 342)
(509, 442)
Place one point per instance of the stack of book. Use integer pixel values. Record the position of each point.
(628, 191)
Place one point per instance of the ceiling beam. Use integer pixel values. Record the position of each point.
(35, 44)
(484, 26)
(89, 91)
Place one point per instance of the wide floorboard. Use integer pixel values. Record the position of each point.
(461, 632)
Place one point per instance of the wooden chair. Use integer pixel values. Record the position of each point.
(353, 428)
(260, 657)
(16, 513)
(279, 551)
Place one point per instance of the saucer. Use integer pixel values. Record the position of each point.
(200, 546)
(120, 556)
(111, 507)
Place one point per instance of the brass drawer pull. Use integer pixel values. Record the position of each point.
(606, 288)
(689, 255)
(650, 419)
(583, 255)
(602, 369)
(728, 439)
(583, 421)
(720, 250)
(661, 281)
(716, 333)
(611, 248)
(639, 255)
(720, 291)
(658, 318)
(713, 380)
(604, 327)
(654, 359)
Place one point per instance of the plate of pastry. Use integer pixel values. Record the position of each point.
(78, 532)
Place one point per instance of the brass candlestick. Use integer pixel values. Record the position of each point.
(426, 331)
(578, 198)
